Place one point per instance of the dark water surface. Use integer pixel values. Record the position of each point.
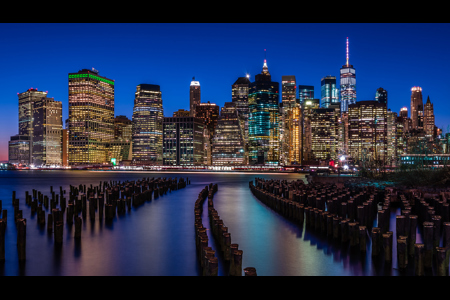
(158, 237)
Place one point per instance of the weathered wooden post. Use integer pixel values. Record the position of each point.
(361, 238)
(2, 240)
(413, 219)
(250, 271)
(402, 255)
(419, 259)
(387, 245)
(428, 236)
(21, 238)
(375, 241)
(442, 268)
(78, 222)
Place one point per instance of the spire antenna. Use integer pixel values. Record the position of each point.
(347, 51)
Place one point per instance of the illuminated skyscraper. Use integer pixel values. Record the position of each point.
(307, 109)
(209, 113)
(228, 142)
(91, 117)
(47, 132)
(183, 141)
(325, 133)
(428, 119)
(239, 96)
(347, 85)
(148, 117)
(181, 113)
(194, 96)
(288, 103)
(305, 92)
(416, 108)
(263, 135)
(368, 133)
(328, 92)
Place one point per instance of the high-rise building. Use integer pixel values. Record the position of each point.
(325, 133)
(183, 139)
(19, 150)
(91, 117)
(428, 119)
(47, 132)
(307, 108)
(416, 108)
(147, 120)
(368, 133)
(347, 84)
(288, 102)
(228, 143)
(239, 96)
(391, 137)
(263, 135)
(295, 135)
(305, 92)
(194, 96)
(407, 124)
(65, 147)
(209, 113)
(328, 92)
(123, 128)
(381, 95)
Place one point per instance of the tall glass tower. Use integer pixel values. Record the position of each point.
(263, 136)
(347, 85)
(147, 128)
(305, 92)
(329, 92)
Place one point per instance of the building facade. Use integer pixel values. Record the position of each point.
(91, 117)
(416, 108)
(329, 93)
(305, 92)
(324, 133)
(183, 139)
(428, 119)
(147, 128)
(194, 95)
(347, 84)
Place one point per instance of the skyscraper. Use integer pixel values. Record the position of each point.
(91, 117)
(209, 113)
(381, 95)
(416, 108)
(228, 143)
(263, 136)
(239, 96)
(347, 84)
(324, 133)
(288, 103)
(147, 132)
(428, 118)
(194, 95)
(47, 132)
(329, 92)
(305, 92)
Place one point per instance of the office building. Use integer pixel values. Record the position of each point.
(288, 102)
(347, 84)
(209, 113)
(263, 127)
(194, 96)
(367, 137)
(306, 132)
(19, 150)
(181, 113)
(227, 147)
(324, 133)
(416, 108)
(91, 117)
(305, 92)
(183, 139)
(428, 119)
(147, 129)
(328, 92)
(239, 96)
(381, 95)
(47, 133)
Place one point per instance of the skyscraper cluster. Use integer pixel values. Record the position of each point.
(254, 128)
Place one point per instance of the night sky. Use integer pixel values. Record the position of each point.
(393, 56)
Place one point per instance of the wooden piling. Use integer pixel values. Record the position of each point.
(442, 267)
(387, 245)
(419, 259)
(21, 238)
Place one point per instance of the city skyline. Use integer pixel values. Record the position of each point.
(384, 55)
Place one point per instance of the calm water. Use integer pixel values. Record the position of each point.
(158, 237)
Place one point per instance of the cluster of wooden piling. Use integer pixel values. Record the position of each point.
(352, 215)
(209, 263)
(104, 201)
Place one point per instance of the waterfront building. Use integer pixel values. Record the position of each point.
(307, 108)
(194, 96)
(91, 117)
(120, 150)
(425, 160)
(305, 92)
(401, 137)
(228, 143)
(123, 128)
(381, 95)
(181, 113)
(328, 91)
(347, 84)
(263, 127)
(416, 108)
(47, 132)
(391, 135)
(325, 133)
(65, 147)
(367, 138)
(428, 119)
(147, 125)
(183, 139)
(19, 150)
(343, 135)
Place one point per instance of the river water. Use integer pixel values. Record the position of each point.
(158, 237)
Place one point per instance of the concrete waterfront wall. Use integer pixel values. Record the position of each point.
(355, 215)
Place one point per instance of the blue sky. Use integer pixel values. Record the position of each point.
(393, 56)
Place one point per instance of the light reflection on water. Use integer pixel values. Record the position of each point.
(158, 238)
